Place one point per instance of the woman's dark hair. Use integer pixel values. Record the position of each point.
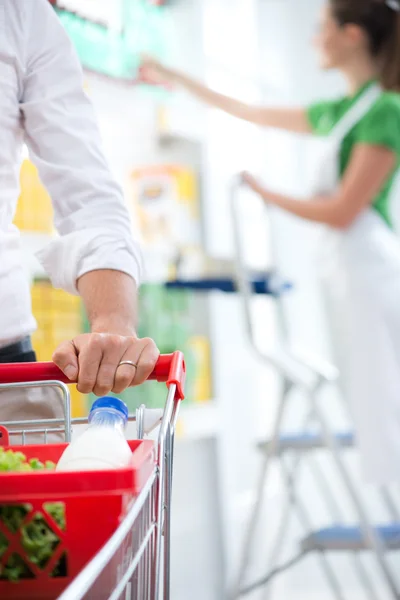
(380, 19)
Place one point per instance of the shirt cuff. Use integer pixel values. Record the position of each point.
(67, 258)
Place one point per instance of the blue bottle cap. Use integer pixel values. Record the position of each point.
(110, 402)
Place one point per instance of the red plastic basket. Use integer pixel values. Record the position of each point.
(94, 505)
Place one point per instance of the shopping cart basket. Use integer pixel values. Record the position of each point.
(112, 539)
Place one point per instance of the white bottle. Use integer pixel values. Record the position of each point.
(102, 445)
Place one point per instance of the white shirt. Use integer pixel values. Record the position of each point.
(42, 102)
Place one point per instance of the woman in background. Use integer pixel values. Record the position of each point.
(360, 255)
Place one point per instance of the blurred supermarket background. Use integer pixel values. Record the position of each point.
(176, 160)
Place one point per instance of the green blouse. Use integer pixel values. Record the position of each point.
(379, 127)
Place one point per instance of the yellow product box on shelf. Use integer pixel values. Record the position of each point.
(59, 318)
(34, 210)
(202, 388)
(165, 199)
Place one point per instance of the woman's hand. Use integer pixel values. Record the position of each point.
(253, 183)
(154, 72)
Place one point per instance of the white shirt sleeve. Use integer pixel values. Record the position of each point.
(62, 136)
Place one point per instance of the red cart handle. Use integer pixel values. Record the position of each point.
(4, 437)
(170, 368)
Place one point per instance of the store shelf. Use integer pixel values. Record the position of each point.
(268, 284)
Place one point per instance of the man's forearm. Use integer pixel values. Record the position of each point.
(110, 299)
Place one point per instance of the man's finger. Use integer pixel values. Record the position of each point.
(113, 353)
(146, 361)
(125, 374)
(90, 357)
(141, 359)
(65, 357)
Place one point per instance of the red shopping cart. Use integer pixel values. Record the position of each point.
(110, 530)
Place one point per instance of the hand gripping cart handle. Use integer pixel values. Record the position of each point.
(133, 504)
(309, 375)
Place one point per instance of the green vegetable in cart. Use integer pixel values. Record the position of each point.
(37, 538)
(16, 462)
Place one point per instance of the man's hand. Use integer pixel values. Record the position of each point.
(93, 360)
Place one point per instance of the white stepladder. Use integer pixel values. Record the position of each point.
(310, 377)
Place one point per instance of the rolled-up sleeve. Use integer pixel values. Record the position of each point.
(61, 133)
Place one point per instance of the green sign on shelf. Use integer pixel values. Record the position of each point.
(115, 53)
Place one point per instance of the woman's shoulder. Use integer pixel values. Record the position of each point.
(324, 115)
(388, 103)
(381, 125)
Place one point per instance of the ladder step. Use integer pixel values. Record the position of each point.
(346, 538)
(308, 441)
